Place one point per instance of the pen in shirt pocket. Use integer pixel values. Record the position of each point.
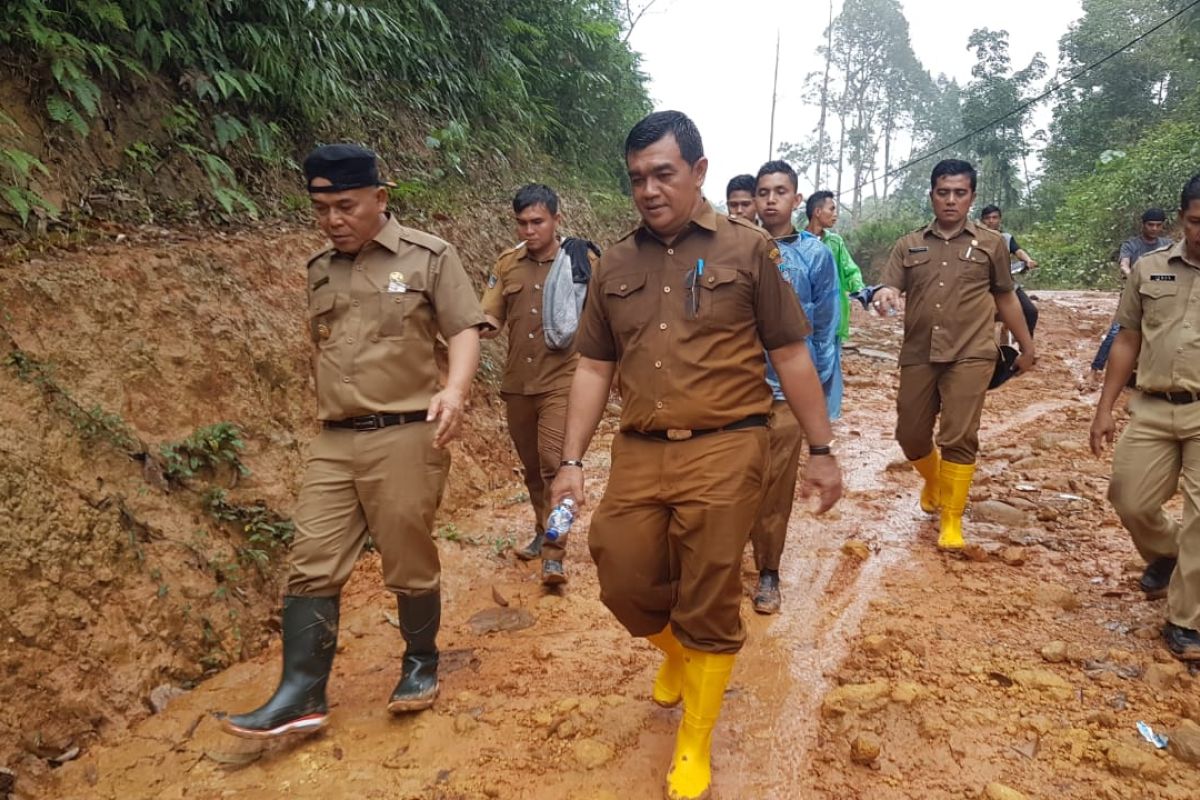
(699, 267)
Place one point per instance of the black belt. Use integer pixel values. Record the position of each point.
(1178, 398)
(683, 434)
(373, 422)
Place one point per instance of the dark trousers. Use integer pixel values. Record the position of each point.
(1028, 309)
(1102, 354)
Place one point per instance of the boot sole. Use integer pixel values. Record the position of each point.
(308, 724)
(1190, 656)
(525, 555)
(554, 580)
(414, 704)
(1157, 594)
(766, 611)
(665, 703)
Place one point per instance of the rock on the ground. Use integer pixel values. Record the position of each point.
(592, 753)
(1135, 762)
(162, 695)
(1163, 676)
(864, 749)
(862, 698)
(1013, 556)
(1055, 652)
(856, 549)
(1043, 680)
(998, 791)
(1184, 742)
(878, 645)
(998, 512)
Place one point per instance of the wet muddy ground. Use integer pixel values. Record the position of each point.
(893, 671)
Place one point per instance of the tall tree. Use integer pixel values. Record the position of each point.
(995, 90)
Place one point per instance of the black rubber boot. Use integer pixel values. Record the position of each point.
(1157, 577)
(420, 618)
(766, 596)
(533, 549)
(1184, 643)
(310, 627)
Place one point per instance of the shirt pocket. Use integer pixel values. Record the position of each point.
(723, 297)
(320, 316)
(625, 298)
(395, 310)
(974, 268)
(1158, 302)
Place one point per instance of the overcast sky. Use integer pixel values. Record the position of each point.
(713, 60)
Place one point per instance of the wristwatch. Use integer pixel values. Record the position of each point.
(820, 449)
(571, 462)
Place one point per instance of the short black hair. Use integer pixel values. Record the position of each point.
(740, 183)
(1191, 192)
(771, 167)
(953, 166)
(535, 194)
(657, 125)
(1154, 215)
(992, 209)
(816, 200)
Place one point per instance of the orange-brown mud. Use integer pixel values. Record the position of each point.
(1025, 664)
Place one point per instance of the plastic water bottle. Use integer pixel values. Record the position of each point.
(559, 523)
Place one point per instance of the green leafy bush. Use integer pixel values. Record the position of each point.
(208, 449)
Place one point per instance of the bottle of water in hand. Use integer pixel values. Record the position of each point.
(559, 523)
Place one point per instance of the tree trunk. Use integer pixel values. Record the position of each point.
(822, 134)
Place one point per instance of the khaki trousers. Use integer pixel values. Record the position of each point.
(769, 532)
(386, 482)
(536, 423)
(956, 391)
(1159, 453)
(668, 536)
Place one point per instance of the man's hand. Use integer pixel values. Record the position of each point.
(823, 477)
(1103, 430)
(887, 301)
(1026, 362)
(447, 408)
(1030, 263)
(567, 483)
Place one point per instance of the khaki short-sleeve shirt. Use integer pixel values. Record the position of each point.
(1162, 302)
(949, 285)
(374, 318)
(514, 297)
(690, 358)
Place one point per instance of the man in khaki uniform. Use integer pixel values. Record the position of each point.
(1159, 451)
(955, 279)
(537, 377)
(685, 305)
(378, 298)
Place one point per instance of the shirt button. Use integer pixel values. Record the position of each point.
(359, 268)
(531, 336)
(936, 327)
(670, 251)
(345, 379)
(624, 286)
(528, 360)
(537, 286)
(941, 284)
(662, 326)
(396, 300)
(533, 310)
(937, 305)
(943, 263)
(658, 365)
(350, 340)
(658, 404)
(354, 303)
(667, 289)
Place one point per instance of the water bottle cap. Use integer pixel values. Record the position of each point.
(568, 502)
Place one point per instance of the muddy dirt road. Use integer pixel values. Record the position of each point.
(1025, 665)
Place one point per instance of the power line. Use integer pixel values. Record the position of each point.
(1034, 101)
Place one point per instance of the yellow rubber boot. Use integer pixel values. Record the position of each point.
(929, 468)
(955, 486)
(705, 676)
(668, 683)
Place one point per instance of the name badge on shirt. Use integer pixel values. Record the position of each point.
(396, 284)
(918, 249)
(1167, 278)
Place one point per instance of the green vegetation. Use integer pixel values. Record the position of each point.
(252, 83)
(207, 450)
(265, 530)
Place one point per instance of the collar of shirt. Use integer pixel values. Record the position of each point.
(1179, 250)
(389, 235)
(968, 228)
(705, 217)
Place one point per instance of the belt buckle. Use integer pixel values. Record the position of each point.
(370, 423)
(678, 434)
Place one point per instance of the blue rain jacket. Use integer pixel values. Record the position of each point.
(808, 267)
